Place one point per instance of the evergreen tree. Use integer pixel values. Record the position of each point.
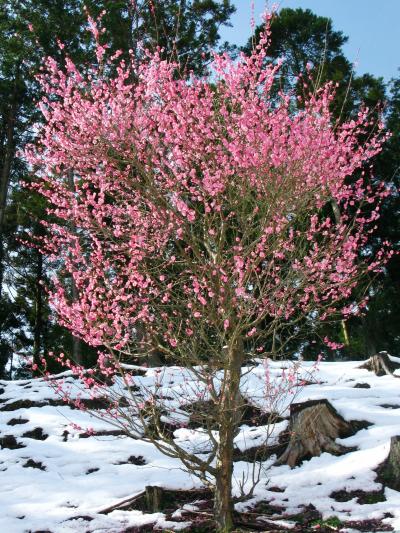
(186, 31)
(307, 41)
(29, 30)
(303, 39)
(382, 322)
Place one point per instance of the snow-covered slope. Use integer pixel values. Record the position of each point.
(58, 479)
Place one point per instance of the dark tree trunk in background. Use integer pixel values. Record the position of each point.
(1, 265)
(369, 337)
(343, 324)
(76, 343)
(38, 325)
(7, 154)
(9, 147)
(7, 157)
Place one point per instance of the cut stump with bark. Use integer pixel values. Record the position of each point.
(389, 472)
(154, 499)
(313, 428)
(381, 364)
(151, 500)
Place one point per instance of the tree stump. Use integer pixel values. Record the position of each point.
(313, 428)
(154, 499)
(381, 364)
(389, 472)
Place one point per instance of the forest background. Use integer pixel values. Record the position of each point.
(188, 31)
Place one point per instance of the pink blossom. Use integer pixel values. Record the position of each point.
(187, 201)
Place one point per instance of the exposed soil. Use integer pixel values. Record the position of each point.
(95, 403)
(166, 428)
(91, 470)
(276, 489)
(261, 518)
(16, 421)
(34, 464)
(138, 372)
(265, 508)
(87, 518)
(133, 460)
(257, 519)
(36, 434)
(27, 404)
(369, 525)
(175, 499)
(253, 416)
(202, 415)
(358, 425)
(362, 496)
(259, 453)
(103, 433)
(10, 442)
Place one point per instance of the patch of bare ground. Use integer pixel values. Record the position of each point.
(201, 415)
(34, 464)
(264, 517)
(16, 421)
(363, 497)
(36, 434)
(10, 442)
(95, 403)
(103, 433)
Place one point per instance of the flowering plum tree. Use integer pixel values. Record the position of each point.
(205, 224)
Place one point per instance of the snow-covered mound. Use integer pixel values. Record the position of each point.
(57, 478)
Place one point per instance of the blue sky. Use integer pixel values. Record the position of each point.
(373, 28)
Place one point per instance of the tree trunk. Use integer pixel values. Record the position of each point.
(9, 148)
(7, 157)
(151, 356)
(154, 499)
(313, 428)
(38, 326)
(371, 341)
(76, 343)
(1, 265)
(229, 416)
(8, 153)
(345, 331)
(223, 506)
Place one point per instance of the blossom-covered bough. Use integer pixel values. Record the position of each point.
(204, 228)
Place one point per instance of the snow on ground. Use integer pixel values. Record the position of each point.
(59, 480)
